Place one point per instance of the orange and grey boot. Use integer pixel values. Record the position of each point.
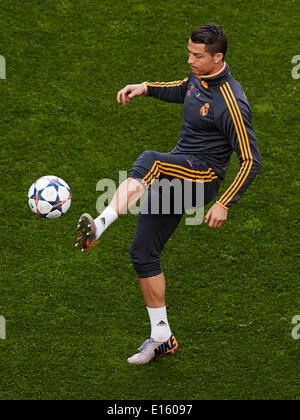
(87, 232)
(150, 349)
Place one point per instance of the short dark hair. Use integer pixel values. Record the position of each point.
(213, 36)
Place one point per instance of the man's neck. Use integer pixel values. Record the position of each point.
(218, 68)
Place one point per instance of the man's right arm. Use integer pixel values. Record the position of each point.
(169, 92)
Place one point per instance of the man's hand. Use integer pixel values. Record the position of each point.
(217, 215)
(129, 92)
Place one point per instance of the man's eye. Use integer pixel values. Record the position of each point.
(196, 55)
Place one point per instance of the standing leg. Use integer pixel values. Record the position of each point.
(154, 289)
(152, 233)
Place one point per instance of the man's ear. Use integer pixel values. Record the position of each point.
(218, 58)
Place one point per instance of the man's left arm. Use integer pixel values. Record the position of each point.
(235, 123)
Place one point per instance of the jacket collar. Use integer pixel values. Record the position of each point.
(216, 78)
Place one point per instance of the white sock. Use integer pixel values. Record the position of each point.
(160, 329)
(106, 218)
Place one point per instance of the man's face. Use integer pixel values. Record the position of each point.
(201, 62)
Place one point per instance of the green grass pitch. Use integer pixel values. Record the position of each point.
(72, 319)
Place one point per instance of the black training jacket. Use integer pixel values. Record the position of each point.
(216, 122)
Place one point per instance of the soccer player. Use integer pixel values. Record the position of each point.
(216, 123)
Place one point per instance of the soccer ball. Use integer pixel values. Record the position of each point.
(49, 197)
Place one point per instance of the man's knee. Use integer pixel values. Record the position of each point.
(145, 262)
(149, 155)
(143, 164)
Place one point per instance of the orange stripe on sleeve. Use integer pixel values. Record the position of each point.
(243, 143)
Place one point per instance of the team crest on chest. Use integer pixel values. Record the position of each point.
(204, 110)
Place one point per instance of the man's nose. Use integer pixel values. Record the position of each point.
(191, 59)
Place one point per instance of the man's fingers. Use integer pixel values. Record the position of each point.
(216, 216)
(212, 223)
(121, 96)
(219, 223)
(130, 91)
(207, 216)
(126, 95)
(124, 98)
(215, 222)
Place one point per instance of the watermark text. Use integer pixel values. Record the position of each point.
(296, 69)
(296, 329)
(164, 197)
(2, 67)
(2, 328)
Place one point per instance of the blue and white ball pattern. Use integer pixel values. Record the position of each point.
(49, 197)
